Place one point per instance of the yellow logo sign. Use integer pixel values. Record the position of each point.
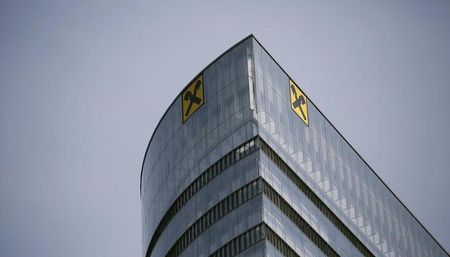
(299, 102)
(192, 98)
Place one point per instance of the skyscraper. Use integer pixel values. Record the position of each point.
(243, 163)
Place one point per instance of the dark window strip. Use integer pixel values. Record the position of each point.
(217, 212)
(241, 152)
(235, 200)
(278, 242)
(276, 159)
(252, 237)
(241, 242)
(298, 220)
(209, 174)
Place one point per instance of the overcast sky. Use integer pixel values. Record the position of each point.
(84, 83)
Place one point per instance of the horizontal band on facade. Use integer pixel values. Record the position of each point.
(224, 163)
(278, 161)
(241, 242)
(278, 242)
(284, 206)
(237, 199)
(252, 237)
(214, 214)
(201, 181)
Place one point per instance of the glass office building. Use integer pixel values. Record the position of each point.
(242, 163)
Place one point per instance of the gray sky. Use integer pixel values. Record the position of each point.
(84, 83)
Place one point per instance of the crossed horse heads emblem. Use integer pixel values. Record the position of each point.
(299, 101)
(192, 97)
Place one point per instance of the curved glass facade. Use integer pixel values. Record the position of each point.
(232, 170)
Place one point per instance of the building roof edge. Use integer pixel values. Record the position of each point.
(176, 97)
